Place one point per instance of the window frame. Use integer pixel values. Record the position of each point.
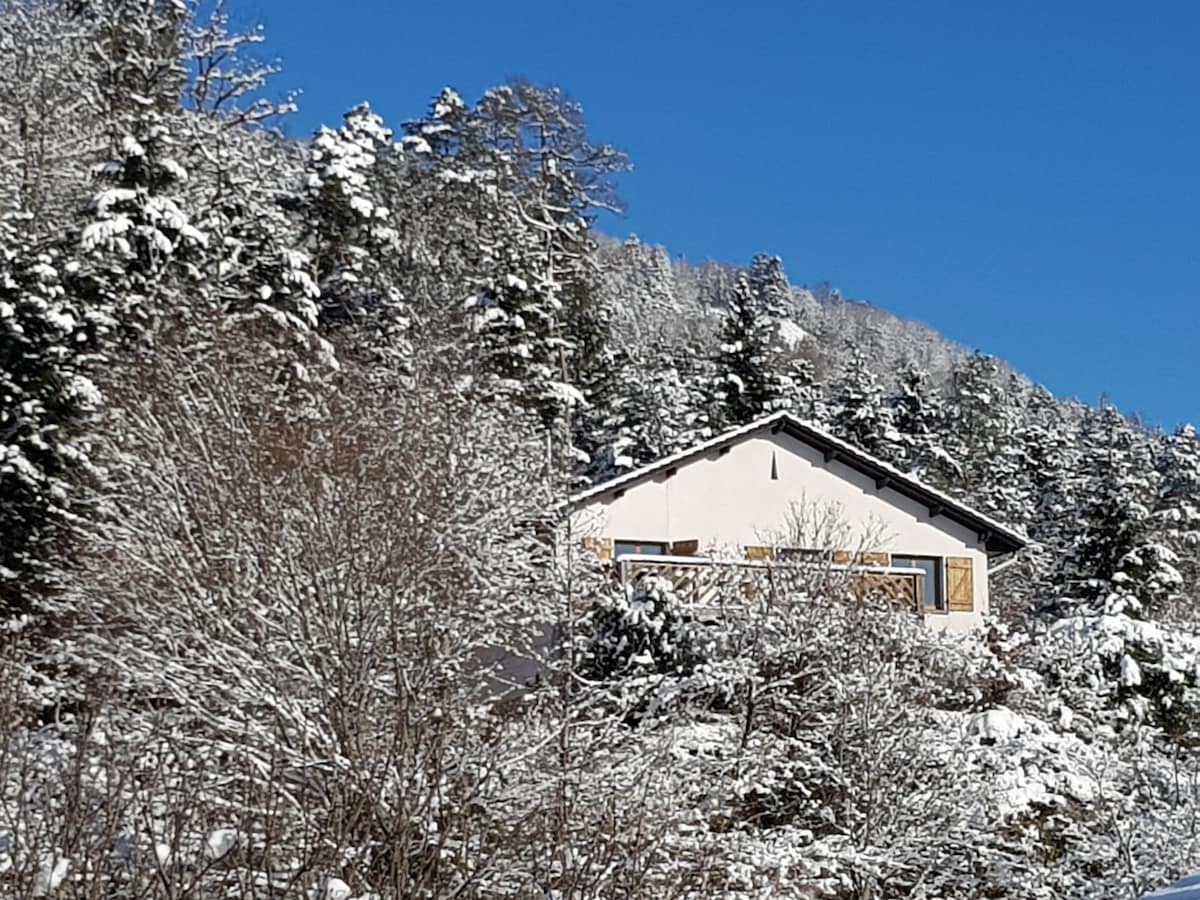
(664, 548)
(941, 596)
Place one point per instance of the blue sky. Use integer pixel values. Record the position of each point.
(1023, 176)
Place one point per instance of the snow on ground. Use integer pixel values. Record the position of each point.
(1184, 889)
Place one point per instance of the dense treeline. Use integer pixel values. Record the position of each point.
(287, 427)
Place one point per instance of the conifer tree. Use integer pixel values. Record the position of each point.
(1116, 564)
(800, 391)
(746, 384)
(914, 443)
(769, 284)
(137, 52)
(350, 235)
(630, 424)
(465, 162)
(646, 284)
(46, 400)
(523, 153)
(1047, 436)
(138, 246)
(859, 414)
(985, 461)
(1177, 505)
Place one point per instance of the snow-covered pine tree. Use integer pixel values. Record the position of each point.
(591, 367)
(441, 198)
(982, 414)
(481, 255)
(350, 235)
(858, 411)
(770, 286)
(1177, 505)
(561, 178)
(138, 247)
(641, 276)
(137, 52)
(46, 400)
(1118, 581)
(913, 443)
(801, 392)
(523, 153)
(747, 383)
(1116, 563)
(793, 373)
(1047, 435)
(650, 414)
(263, 277)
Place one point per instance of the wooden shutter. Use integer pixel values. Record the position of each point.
(602, 547)
(960, 583)
(759, 554)
(841, 557)
(685, 548)
(874, 559)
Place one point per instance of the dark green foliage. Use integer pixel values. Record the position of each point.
(859, 413)
(1115, 515)
(916, 414)
(45, 403)
(646, 632)
(746, 385)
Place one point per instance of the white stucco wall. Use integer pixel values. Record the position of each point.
(729, 501)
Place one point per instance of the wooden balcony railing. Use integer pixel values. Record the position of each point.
(711, 585)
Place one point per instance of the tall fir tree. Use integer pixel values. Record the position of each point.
(1177, 504)
(858, 411)
(48, 342)
(350, 236)
(914, 443)
(747, 384)
(769, 284)
(1116, 564)
(141, 256)
(646, 283)
(800, 391)
(985, 462)
(523, 153)
(137, 51)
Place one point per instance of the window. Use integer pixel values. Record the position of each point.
(645, 548)
(935, 594)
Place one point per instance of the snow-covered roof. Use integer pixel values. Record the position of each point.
(998, 537)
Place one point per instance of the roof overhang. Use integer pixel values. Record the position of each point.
(994, 535)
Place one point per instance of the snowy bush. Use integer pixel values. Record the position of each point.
(642, 629)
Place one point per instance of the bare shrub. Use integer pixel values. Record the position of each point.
(320, 612)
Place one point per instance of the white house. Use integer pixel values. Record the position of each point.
(781, 491)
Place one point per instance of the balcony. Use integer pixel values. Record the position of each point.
(710, 586)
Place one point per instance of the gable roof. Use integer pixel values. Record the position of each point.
(997, 537)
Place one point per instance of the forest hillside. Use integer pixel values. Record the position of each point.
(287, 430)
